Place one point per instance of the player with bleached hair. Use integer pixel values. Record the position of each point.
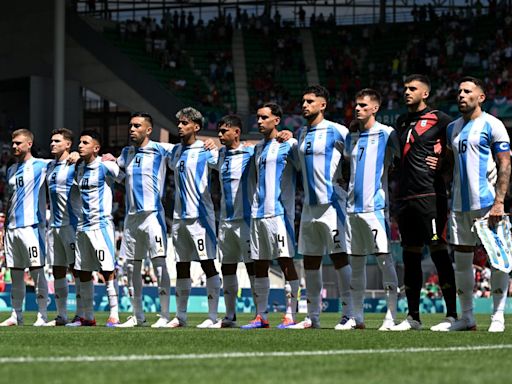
(193, 229)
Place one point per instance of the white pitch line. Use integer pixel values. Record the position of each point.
(335, 352)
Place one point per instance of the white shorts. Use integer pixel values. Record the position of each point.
(322, 229)
(61, 246)
(271, 238)
(25, 247)
(144, 235)
(234, 242)
(368, 233)
(460, 226)
(95, 250)
(194, 239)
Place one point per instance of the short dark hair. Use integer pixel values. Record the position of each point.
(231, 121)
(274, 108)
(418, 77)
(144, 115)
(93, 134)
(371, 93)
(67, 134)
(318, 91)
(479, 83)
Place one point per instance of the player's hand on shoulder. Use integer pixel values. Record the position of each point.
(284, 135)
(209, 145)
(108, 157)
(73, 158)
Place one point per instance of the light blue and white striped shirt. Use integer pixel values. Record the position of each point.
(475, 171)
(238, 182)
(95, 182)
(276, 167)
(145, 169)
(191, 165)
(320, 154)
(371, 152)
(27, 197)
(64, 198)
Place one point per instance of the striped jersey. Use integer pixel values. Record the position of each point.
(238, 182)
(474, 171)
(64, 197)
(276, 166)
(371, 152)
(320, 153)
(145, 169)
(95, 182)
(27, 197)
(191, 165)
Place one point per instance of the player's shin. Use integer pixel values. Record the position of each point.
(499, 286)
(134, 275)
(113, 299)
(230, 287)
(182, 295)
(17, 292)
(41, 288)
(465, 282)
(61, 297)
(358, 285)
(164, 285)
(314, 289)
(344, 274)
(390, 283)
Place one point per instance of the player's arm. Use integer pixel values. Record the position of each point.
(497, 211)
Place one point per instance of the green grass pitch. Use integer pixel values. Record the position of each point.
(189, 355)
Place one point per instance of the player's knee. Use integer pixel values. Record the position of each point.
(209, 269)
(183, 270)
(312, 262)
(339, 260)
(228, 269)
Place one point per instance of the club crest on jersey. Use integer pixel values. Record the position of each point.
(423, 123)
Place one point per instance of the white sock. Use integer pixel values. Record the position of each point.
(135, 288)
(164, 285)
(314, 289)
(87, 293)
(61, 297)
(182, 294)
(18, 292)
(344, 276)
(113, 301)
(261, 292)
(41, 288)
(499, 286)
(358, 286)
(213, 292)
(291, 305)
(230, 287)
(465, 281)
(390, 283)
